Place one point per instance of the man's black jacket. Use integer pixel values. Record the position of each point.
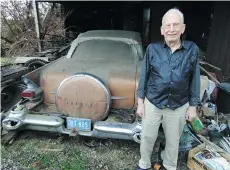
(169, 80)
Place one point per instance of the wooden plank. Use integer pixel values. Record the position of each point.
(211, 42)
(217, 38)
(218, 46)
(226, 60)
(37, 24)
(227, 63)
(9, 137)
(22, 60)
(225, 38)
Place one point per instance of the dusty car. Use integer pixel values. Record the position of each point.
(89, 92)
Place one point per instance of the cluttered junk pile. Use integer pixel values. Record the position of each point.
(212, 125)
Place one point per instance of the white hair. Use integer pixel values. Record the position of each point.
(175, 11)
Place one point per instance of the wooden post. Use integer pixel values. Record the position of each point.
(37, 25)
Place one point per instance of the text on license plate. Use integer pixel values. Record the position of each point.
(78, 123)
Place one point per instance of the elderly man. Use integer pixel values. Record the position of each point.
(168, 90)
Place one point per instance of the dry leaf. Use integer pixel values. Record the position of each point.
(35, 164)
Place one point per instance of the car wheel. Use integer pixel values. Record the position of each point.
(10, 95)
(34, 64)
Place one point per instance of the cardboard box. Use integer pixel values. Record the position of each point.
(196, 164)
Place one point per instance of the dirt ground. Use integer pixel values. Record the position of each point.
(40, 150)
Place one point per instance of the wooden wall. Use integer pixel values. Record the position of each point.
(218, 52)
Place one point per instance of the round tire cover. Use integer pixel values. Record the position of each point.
(83, 96)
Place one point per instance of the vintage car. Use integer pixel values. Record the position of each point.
(89, 92)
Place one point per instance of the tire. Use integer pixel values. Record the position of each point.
(10, 95)
(34, 64)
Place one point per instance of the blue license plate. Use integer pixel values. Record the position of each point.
(78, 123)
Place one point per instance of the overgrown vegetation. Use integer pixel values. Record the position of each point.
(18, 32)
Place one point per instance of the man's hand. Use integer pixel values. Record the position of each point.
(140, 108)
(191, 113)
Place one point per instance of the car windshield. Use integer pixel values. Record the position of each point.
(104, 49)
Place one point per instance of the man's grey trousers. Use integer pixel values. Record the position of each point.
(173, 122)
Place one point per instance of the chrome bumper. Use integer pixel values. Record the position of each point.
(21, 118)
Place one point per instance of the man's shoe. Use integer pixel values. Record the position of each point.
(158, 166)
(139, 168)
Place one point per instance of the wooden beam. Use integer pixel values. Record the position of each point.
(37, 25)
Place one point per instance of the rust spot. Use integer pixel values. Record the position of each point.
(122, 84)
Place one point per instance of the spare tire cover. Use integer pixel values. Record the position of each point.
(83, 96)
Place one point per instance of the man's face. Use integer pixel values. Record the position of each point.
(172, 27)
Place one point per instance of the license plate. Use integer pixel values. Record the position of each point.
(78, 123)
